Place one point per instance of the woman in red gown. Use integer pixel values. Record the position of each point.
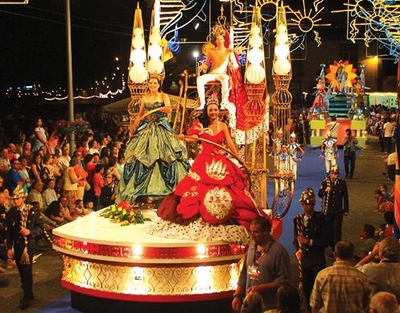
(214, 192)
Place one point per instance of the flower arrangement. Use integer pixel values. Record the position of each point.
(65, 127)
(124, 213)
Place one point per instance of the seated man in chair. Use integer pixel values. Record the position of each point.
(219, 60)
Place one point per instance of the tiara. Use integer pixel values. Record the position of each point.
(213, 99)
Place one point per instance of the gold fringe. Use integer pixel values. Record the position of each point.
(25, 257)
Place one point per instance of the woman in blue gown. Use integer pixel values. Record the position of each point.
(155, 160)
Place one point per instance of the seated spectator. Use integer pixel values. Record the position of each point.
(66, 212)
(89, 207)
(385, 275)
(252, 303)
(385, 193)
(386, 230)
(54, 212)
(80, 209)
(369, 241)
(288, 299)
(49, 194)
(384, 302)
(382, 204)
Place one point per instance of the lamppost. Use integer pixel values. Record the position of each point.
(196, 55)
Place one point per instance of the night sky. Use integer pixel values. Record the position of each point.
(33, 40)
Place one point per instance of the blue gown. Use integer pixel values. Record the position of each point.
(155, 160)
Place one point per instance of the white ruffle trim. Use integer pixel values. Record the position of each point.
(199, 230)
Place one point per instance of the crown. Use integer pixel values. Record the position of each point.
(213, 99)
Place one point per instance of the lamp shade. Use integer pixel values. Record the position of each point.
(155, 66)
(155, 51)
(138, 56)
(255, 73)
(255, 41)
(282, 51)
(255, 56)
(138, 74)
(138, 42)
(155, 38)
(282, 66)
(281, 38)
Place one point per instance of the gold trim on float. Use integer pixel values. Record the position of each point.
(141, 280)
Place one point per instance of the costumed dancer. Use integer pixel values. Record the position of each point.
(329, 151)
(211, 202)
(319, 101)
(155, 160)
(341, 78)
(277, 146)
(296, 151)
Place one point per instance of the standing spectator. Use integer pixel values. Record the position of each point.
(23, 226)
(37, 168)
(82, 174)
(93, 146)
(27, 152)
(40, 135)
(388, 131)
(70, 184)
(266, 267)
(349, 151)
(329, 151)
(64, 159)
(5, 164)
(380, 131)
(107, 195)
(335, 203)
(98, 183)
(311, 237)
(385, 275)
(384, 302)
(341, 287)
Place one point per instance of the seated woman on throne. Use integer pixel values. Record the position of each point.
(211, 202)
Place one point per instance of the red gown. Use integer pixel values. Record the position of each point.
(214, 188)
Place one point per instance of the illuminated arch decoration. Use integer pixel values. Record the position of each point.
(300, 22)
(351, 75)
(175, 15)
(374, 20)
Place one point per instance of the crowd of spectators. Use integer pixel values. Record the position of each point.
(61, 183)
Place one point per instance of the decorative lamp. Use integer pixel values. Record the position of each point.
(138, 74)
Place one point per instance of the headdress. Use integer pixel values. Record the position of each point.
(308, 196)
(335, 169)
(293, 135)
(213, 99)
(18, 193)
(280, 131)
